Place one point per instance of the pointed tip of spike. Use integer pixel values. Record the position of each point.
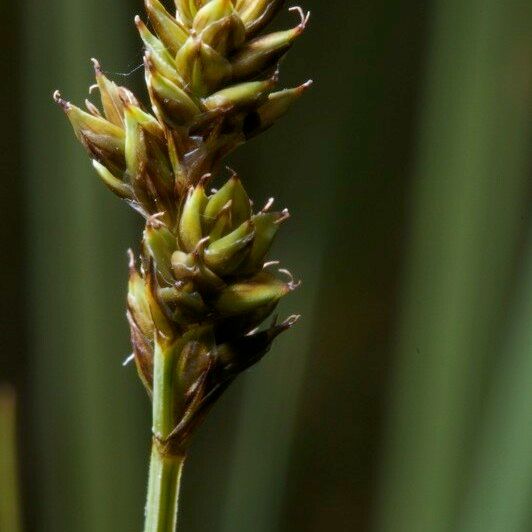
(268, 205)
(304, 18)
(304, 87)
(291, 321)
(130, 260)
(140, 25)
(128, 360)
(292, 284)
(270, 263)
(277, 328)
(253, 332)
(234, 174)
(205, 178)
(231, 170)
(60, 101)
(154, 221)
(285, 215)
(200, 247)
(96, 65)
(93, 110)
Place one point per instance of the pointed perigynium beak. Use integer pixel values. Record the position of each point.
(202, 289)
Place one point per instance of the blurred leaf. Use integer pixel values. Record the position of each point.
(499, 493)
(87, 412)
(9, 485)
(470, 193)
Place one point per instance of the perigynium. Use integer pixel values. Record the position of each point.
(202, 287)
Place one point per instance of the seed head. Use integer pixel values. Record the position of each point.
(203, 286)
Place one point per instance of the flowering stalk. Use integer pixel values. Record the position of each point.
(202, 288)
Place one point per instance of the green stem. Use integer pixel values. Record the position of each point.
(166, 464)
(163, 491)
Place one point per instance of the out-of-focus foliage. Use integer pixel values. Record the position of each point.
(402, 400)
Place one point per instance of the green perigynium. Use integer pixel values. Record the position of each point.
(202, 287)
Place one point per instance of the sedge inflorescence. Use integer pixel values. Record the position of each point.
(203, 285)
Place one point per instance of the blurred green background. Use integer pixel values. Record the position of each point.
(402, 402)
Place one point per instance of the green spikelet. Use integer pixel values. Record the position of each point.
(211, 83)
(202, 286)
